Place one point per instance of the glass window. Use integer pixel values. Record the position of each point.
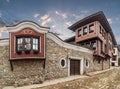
(87, 63)
(19, 44)
(100, 29)
(85, 30)
(27, 43)
(62, 63)
(91, 28)
(94, 45)
(80, 32)
(87, 43)
(35, 44)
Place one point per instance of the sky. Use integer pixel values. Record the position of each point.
(59, 14)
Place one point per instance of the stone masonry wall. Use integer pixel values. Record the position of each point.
(106, 64)
(54, 53)
(6, 76)
(24, 71)
(99, 66)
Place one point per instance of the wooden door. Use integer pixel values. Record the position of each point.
(74, 67)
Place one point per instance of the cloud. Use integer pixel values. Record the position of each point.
(36, 15)
(53, 26)
(63, 15)
(81, 16)
(2, 29)
(44, 17)
(69, 23)
(109, 20)
(46, 21)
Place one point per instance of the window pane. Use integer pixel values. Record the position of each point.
(85, 30)
(35, 40)
(27, 43)
(91, 28)
(94, 45)
(27, 40)
(19, 44)
(19, 40)
(35, 44)
(80, 32)
(19, 47)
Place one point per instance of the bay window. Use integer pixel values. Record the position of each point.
(27, 44)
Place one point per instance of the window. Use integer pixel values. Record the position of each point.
(87, 63)
(27, 44)
(84, 30)
(114, 51)
(94, 45)
(87, 44)
(63, 63)
(100, 29)
(114, 58)
(19, 44)
(99, 60)
(80, 32)
(91, 28)
(103, 47)
(35, 44)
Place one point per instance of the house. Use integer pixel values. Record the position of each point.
(115, 58)
(94, 32)
(32, 54)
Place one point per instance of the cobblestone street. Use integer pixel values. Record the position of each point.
(106, 80)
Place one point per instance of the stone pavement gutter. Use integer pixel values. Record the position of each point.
(60, 80)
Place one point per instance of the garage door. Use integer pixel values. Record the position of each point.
(74, 67)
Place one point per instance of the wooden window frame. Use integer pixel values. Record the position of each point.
(94, 48)
(23, 44)
(84, 32)
(80, 32)
(92, 25)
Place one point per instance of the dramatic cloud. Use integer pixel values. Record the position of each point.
(59, 21)
(2, 29)
(36, 15)
(44, 17)
(109, 20)
(63, 15)
(53, 26)
(69, 23)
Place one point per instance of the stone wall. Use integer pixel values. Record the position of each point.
(27, 71)
(106, 64)
(101, 66)
(6, 75)
(55, 52)
(24, 71)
